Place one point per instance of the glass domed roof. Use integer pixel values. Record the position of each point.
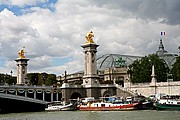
(115, 60)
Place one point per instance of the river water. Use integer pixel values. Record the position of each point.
(94, 115)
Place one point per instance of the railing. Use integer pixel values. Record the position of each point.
(172, 83)
(26, 86)
(34, 92)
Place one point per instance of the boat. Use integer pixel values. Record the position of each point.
(102, 106)
(144, 102)
(168, 102)
(60, 106)
(99, 105)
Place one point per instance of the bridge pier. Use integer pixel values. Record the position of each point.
(91, 86)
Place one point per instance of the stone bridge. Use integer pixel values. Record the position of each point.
(106, 90)
(50, 93)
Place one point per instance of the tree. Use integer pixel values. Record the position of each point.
(33, 77)
(140, 70)
(51, 79)
(176, 69)
(5, 78)
(41, 78)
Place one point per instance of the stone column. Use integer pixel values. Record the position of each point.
(21, 70)
(34, 94)
(21, 67)
(153, 80)
(90, 77)
(43, 95)
(57, 96)
(25, 92)
(52, 96)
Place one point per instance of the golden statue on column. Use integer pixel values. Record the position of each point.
(89, 37)
(21, 53)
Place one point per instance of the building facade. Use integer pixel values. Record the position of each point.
(113, 67)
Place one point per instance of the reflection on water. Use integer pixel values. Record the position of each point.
(94, 115)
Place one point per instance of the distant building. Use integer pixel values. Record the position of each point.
(113, 67)
(169, 58)
(110, 67)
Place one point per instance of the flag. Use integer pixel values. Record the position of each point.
(163, 33)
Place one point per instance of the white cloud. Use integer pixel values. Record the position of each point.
(49, 35)
(21, 3)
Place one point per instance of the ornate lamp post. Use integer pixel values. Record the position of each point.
(44, 78)
(11, 73)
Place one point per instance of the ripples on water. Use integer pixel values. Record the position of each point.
(94, 115)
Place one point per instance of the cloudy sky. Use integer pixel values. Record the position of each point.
(53, 31)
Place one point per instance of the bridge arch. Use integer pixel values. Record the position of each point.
(76, 95)
(107, 94)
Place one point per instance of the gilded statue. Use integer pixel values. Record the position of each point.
(21, 53)
(89, 37)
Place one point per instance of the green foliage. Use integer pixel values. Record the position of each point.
(5, 78)
(176, 69)
(51, 79)
(33, 77)
(140, 70)
(41, 78)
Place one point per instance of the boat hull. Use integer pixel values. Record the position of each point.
(111, 108)
(68, 107)
(159, 106)
(146, 105)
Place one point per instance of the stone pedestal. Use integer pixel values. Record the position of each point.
(153, 79)
(21, 70)
(90, 78)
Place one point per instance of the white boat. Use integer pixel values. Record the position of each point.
(59, 106)
(168, 102)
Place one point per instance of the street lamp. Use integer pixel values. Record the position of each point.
(65, 75)
(44, 77)
(11, 73)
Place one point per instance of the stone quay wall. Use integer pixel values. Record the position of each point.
(147, 89)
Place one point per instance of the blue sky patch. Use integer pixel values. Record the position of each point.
(2, 62)
(60, 61)
(19, 10)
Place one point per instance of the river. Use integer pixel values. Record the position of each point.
(94, 115)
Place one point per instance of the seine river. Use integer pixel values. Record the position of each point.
(93, 115)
